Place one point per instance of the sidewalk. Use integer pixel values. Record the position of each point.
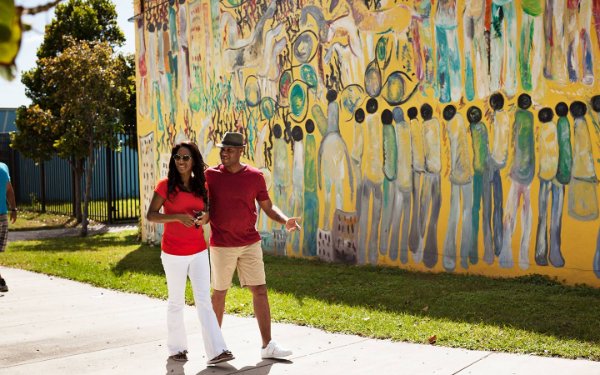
(53, 326)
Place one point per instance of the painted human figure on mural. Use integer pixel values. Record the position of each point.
(357, 152)
(261, 157)
(596, 108)
(563, 177)
(422, 42)
(530, 51)
(402, 189)
(596, 13)
(311, 199)
(555, 67)
(476, 45)
(481, 187)
(461, 191)
(372, 182)
(521, 176)
(503, 47)
(390, 171)
(579, 43)
(415, 240)
(142, 63)
(499, 156)
(297, 182)
(281, 170)
(548, 167)
(431, 195)
(334, 166)
(449, 76)
(583, 200)
(183, 60)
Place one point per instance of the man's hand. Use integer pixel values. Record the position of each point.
(13, 216)
(292, 224)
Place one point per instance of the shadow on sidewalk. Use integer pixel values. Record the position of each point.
(261, 368)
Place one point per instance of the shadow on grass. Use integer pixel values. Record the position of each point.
(145, 259)
(60, 242)
(532, 303)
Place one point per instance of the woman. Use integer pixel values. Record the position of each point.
(184, 199)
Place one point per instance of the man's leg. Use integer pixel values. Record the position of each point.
(218, 304)
(262, 311)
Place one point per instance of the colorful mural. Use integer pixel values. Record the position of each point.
(452, 135)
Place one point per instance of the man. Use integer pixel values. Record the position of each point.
(5, 190)
(234, 241)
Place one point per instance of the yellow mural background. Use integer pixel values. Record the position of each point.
(210, 41)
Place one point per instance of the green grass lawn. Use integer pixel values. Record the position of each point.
(526, 315)
(29, 220)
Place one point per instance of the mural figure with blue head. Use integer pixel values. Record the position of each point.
(521, 175)
(431, 195)
(372, 180)
(481, 187)
(548, 166)
(461, 191)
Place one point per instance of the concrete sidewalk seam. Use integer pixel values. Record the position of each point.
(472, 363)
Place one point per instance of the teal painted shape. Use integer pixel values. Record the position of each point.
(268, 108)
(373, 79)
(309, 76)
(297, 99)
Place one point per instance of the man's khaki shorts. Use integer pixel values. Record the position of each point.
(248, 260)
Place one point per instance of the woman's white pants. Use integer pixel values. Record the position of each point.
(177, 269)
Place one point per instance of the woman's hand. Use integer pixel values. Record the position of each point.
(186, 219)
(203, 219)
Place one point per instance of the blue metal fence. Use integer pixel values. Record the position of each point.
(49, 186)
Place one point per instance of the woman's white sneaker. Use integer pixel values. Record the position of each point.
(274, 351)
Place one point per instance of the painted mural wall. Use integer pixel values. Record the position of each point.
(452, 136)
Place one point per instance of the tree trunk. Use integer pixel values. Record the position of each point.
(78, 170)
(88, 186)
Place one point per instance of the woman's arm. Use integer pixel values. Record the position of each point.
(155, 216)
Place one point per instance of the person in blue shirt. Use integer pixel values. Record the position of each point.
(5, 205)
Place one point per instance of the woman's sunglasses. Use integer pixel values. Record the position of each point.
(178, 157)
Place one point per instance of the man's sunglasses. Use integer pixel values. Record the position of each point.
(178, 157)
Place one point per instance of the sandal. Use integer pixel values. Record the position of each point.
(180, 357)
(223, 357)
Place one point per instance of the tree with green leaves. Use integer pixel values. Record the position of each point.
(91, 89)
(82, 93)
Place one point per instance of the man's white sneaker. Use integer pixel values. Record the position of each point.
(274, 351)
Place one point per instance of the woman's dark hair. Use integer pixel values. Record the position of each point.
(197, 180)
